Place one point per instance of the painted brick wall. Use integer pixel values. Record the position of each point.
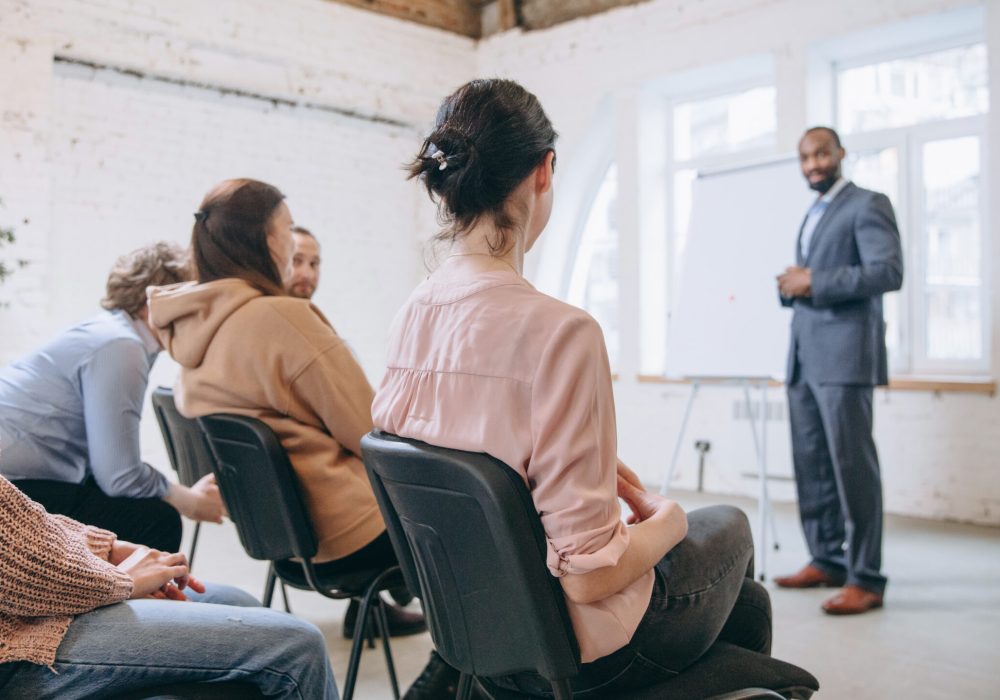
(117, 116)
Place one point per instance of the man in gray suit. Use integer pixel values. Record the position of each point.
(848, 256)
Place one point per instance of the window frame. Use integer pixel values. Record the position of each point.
(575, 291)
(909, 140)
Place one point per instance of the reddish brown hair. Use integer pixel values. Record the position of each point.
(229, 238)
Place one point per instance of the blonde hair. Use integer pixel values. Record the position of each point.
(152, 266)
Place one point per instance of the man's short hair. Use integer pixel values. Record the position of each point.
(831, 131)
(152, 266)
(304, 231)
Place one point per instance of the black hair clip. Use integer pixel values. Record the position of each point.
(200, 216)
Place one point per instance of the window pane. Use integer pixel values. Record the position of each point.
(954, 326)
(892, 313)
(878, 170)
(951, 196)
(683, 192)
(875, 170)
(724, 124)
(952, 237)
(594, 282)
(929, 87)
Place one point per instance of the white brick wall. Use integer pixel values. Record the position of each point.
(130, 160)
(100, 161)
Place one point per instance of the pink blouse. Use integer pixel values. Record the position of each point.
(481, 361)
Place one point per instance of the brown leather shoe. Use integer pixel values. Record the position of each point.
(809, 577)
(852, 600)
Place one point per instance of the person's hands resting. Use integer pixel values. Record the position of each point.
(631, 477)
(795, 282)
(201, 502)
(651, 506)
(155, 574)
(659, 525)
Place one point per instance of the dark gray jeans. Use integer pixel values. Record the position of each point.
(704, 591)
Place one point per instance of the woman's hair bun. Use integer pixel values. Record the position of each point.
(488, 136)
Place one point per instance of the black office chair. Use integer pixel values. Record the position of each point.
(189, 454)
(262, 493)
(469, 539)
(191, 457)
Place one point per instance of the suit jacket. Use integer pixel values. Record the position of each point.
(838, 333)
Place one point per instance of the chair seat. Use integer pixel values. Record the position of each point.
(351, 584)
(724, 672)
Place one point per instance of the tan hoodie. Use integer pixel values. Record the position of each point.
(278, 359)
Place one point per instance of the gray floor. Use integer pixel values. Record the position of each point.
(937, 637)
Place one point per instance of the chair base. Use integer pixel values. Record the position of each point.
(363, 586)
(724, 672)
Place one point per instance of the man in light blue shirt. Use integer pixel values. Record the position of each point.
(70, 413)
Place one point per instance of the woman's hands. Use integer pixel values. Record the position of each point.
(645, 505)
(659, 524)
(155, 574)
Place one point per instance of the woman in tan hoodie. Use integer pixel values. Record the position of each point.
(246, 347)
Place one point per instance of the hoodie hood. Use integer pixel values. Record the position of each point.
(186, 316)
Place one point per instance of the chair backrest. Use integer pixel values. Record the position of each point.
(259, 487)
(189, 454)
(469, 539)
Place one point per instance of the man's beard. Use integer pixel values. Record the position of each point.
(823, 186)
(301, 291)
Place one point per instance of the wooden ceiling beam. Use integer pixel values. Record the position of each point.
(473, 18)
(459, 16)
(541, 14)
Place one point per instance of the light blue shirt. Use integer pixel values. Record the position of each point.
(72, 408)
(816, 213)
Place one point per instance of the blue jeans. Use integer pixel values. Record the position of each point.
(141, 643)
(703, 592)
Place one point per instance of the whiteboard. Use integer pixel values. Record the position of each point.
(744, 224)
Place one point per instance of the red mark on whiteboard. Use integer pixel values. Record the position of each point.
(732, 297)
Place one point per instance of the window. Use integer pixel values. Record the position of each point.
(724, 124)
(707, 133)
(594, 281)
(916, 128)
(952, 277)
(929, 87)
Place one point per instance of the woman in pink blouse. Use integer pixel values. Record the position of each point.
(479, 360)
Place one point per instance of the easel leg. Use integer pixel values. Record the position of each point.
(680, 437)
(761, 558)
(766, 486)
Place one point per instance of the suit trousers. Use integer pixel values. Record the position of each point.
(838, 479)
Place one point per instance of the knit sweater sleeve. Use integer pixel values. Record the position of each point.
(97, 540)
(52, 565)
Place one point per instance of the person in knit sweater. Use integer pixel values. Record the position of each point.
(83, 614)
